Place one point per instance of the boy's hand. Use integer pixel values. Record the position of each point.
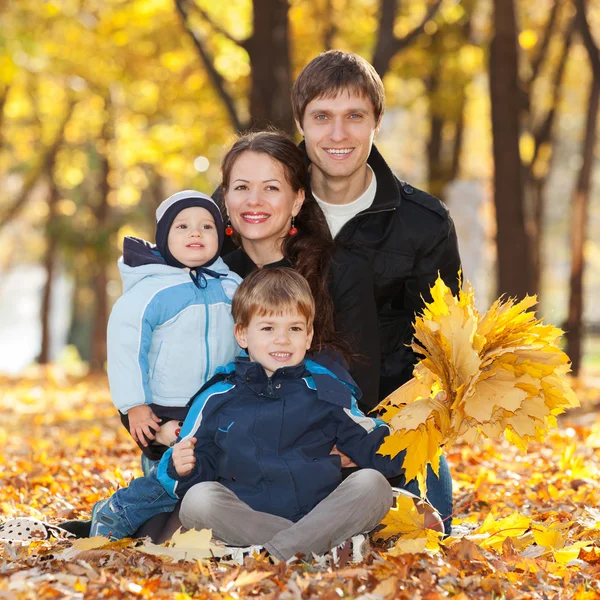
(183, 456)
(142, 422)
(346, 460)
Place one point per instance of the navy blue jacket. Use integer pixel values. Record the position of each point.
(268, 439)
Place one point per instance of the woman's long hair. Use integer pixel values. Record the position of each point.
(310, 251)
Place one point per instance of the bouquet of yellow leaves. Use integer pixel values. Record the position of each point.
(502, 373)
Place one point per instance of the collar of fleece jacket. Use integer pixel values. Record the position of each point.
(330, 387)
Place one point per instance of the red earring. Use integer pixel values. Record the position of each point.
(229, 228)
(293, 230)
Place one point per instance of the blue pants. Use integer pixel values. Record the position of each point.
(439, 490)
(130, 507)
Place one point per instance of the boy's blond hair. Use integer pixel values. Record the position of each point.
(276, 290)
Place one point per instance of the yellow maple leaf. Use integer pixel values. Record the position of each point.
(493, 532)
(503, 374)
(430, 540)
(403, 519)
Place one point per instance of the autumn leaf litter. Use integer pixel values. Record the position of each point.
(527, 525)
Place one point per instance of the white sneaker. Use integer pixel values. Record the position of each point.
(28, 529)
(239, 553)
(353, 550)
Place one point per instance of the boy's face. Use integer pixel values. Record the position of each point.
(339, 133)
(275, 341)
(193, 238)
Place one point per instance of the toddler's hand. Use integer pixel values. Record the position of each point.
(168, 433)
(183, 456)
(142, 422)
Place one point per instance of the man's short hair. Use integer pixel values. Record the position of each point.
(333, 72)
(272, 291)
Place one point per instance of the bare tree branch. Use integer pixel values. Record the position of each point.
(217, 28)
(542, 132)
(388, 44)
(38, 170)
(330, 26)
(207, 60)
(543, 51)
(588, 39)
(3, 99)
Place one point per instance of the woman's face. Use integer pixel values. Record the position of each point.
(260, 202)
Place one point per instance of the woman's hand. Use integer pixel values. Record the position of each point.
(142, 422)
(346, 460)
(183, 456)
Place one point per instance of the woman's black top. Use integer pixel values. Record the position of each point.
(355, 313)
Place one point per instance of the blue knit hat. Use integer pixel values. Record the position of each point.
(170, 208)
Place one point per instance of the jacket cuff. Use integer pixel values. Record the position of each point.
(173, 474)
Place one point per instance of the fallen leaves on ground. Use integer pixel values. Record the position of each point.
(527, 525)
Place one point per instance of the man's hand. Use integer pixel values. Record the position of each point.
(183, 456)
(142, 422)
(346, 460)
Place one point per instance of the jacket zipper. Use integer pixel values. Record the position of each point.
(206, 344)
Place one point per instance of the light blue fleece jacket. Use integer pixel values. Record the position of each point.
(166, 336)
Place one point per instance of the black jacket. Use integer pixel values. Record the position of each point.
(408, 237)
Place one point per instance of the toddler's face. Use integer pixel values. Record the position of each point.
(276, 340)
(193, 238)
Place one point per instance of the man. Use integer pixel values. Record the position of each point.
(406, 234)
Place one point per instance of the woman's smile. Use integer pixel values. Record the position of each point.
(255, 217)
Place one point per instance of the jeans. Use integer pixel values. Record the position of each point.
(130, 507)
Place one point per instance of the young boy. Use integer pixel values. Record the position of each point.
(256, 444)
(166, 335)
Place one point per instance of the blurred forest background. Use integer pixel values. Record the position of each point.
(109, 106)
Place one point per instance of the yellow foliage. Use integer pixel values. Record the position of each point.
(502, 373)
(404, 518)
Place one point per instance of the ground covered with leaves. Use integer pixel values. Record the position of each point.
(526, 525)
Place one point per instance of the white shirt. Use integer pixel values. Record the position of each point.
(338, 215)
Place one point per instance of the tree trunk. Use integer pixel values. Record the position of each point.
(580, 209)
(435, 163)
(102, 258)
(269, 53)
(49, 265)
(515, 272)
(537, 186)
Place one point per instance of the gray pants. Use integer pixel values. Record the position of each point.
(357, 505)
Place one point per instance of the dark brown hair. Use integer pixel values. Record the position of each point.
(333, 72)
(310, 250)
(273, 291)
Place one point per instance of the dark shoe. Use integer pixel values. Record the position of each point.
(80, 529)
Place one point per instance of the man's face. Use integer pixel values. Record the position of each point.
(339, 133)
(276, 340)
